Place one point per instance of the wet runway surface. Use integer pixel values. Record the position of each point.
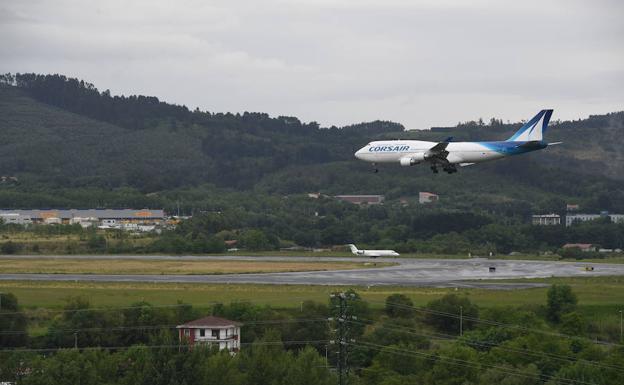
(407, 272)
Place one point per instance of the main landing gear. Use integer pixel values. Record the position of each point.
(375, 170)
(449, 168)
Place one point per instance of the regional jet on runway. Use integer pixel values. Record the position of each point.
(449, 154)
(373, 253)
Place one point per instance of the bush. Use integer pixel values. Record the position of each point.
(10, 247)
(561, 300)
(444, 313)
(399, 306)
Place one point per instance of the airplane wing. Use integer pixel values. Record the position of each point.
(437, 152)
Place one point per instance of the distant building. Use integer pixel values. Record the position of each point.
(581, 246)
(546, 220)
(427, 197)
(52, 221)
(361, 199)
(212, 330)
(65, 216)
(15, 218)
(617, 218)
(572, 207)
(575, 218)
(84, 222)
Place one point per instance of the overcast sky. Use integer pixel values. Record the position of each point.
(418, 62)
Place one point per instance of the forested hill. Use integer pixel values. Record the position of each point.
(58, 133)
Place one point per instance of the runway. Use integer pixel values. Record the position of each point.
(408, 272)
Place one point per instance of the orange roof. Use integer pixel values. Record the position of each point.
(579, 245)
(209, 321)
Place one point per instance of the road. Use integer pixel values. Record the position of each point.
(407, 272)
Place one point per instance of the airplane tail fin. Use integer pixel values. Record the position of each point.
(534, 129)
(354, 249)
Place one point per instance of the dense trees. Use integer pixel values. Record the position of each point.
(561, 300)
(260, 222)
(399, 305)
(111, 142)
(244, 176)
(13, 323)
(286, 346)
(448, 312)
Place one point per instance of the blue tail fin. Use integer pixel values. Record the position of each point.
(534, 129)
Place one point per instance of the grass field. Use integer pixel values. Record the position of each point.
(133, 266)
(598, 295)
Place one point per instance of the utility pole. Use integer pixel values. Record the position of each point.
(342, 323)
(461, 321)
(621, 326)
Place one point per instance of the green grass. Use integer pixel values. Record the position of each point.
(598, 294)
(94, 265)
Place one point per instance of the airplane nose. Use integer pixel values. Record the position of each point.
(360, 153)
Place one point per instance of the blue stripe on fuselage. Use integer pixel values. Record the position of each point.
(514, 148)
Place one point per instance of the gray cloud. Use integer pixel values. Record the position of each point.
(421, 63)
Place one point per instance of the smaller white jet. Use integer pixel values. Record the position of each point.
(372, 253)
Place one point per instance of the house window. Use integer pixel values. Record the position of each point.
(215, 333)
(187, 332)
(202, 332)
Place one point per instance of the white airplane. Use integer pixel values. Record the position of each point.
(372, 253)
(449, 154)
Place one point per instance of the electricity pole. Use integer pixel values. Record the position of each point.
(461, 321)
(621, 326)
(342, 323)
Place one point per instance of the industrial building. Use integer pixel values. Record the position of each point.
(84, 217)
(211, 330)
(362, 199)
(574, 218)
(546, 220)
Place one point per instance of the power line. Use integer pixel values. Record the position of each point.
(170, 346)
(496, 323)
(153, 327)
(147, 305)
(559, 357)
(465, 363)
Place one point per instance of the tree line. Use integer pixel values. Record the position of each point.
(448, 341)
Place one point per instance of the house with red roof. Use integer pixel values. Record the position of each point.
(211, 330)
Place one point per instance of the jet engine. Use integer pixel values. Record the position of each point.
(412, 159)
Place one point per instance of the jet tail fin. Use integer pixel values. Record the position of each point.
(534, 129)
(354, 249)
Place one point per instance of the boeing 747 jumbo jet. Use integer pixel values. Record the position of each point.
(449, 154)
(373, 253)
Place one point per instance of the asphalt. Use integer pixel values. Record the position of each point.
(408, 272)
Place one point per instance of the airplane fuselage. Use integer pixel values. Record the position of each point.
(376, 253)
(410, 152)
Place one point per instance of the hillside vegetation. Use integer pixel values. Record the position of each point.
(244, 175)
(57, 132)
